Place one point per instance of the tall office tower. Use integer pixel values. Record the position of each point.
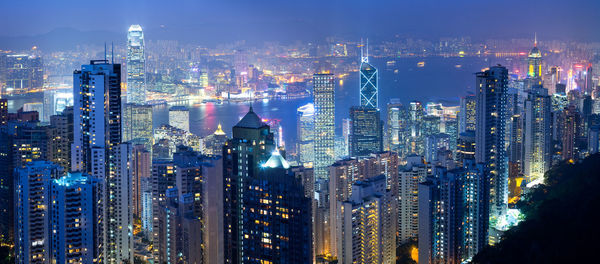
(490, 135)
(324, 100)
(554, 78)
(515, 147)
(430, 126)
(3, 111)
(97, 150)
(369, 95)
(452, 226)
(366, 132)
(22, 74)
(163, 178)
(76, 219)
(367, 232)
(534, 61)
(398, 127)
(416, 141)
(467, 114)
(537, 135)
(570, 129)
(180, 217)
(136, 65)
(589, 82)
(32, 196)
(465, 147)
(137, 125)
(60, 134)
(346, 133)
(251, 145)
(277, 130)
(179, 117)
(414, 172)
(20, 142)
(306, 134)
(434, 144)
(276, 220)
(213, 143)
(141, 172)
(212, 173)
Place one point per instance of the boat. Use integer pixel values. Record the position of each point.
(421, 64)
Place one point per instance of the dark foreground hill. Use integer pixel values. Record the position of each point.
(561, 223)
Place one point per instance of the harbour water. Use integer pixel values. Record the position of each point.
(438, 80)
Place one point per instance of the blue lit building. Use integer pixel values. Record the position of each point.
(369, 95)
(452, 221)
(490, 135)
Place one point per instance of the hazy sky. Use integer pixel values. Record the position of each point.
(201, 20)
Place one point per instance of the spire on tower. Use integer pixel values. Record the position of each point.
(535, 39)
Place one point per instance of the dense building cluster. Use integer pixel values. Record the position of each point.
(100, 182)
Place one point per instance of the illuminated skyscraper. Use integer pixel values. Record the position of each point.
(32, 197)
(452, 225)
(367, 131)
(76, 218)
(267, 218)
(251, 145)
(306, 134)
(136, 65)
(534, 69)
(398, 124)
(179, 117)
(369, 95)
(324, 100)
(137, 125)
(467, 113)
(490, 135)
(414, 172)
(97, 150)
(537, 135)
(366, 230)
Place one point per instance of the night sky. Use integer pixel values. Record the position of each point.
(257, 20)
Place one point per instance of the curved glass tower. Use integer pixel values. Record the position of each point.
(136, 66)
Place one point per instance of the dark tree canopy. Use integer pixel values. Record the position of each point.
(561, 220)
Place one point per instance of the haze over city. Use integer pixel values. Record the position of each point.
(299, 131)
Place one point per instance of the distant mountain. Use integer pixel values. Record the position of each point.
(61, 39)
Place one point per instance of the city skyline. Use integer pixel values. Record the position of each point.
(345, 143)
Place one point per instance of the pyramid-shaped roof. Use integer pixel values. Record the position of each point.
(250, 120)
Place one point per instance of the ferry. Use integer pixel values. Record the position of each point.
(421, 64)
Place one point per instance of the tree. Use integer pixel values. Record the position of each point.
(560, 219)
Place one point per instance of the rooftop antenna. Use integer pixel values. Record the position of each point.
(367, 57)
(105, 50)
(361, 49)
(112, 53)
(535, 39)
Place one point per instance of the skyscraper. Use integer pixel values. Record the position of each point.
(136, 65)
(179, 117)
(414, 172)
(452, 226)
(369, 95)
(534, 69)
(32, 195)
(137, 125)
(97, 150)
(324, 100)
(366, 135)
(490, 135)
(366, 230)
(76, 219)
(306, 134)
(467, 113)
(250, 146)
(537, 132)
